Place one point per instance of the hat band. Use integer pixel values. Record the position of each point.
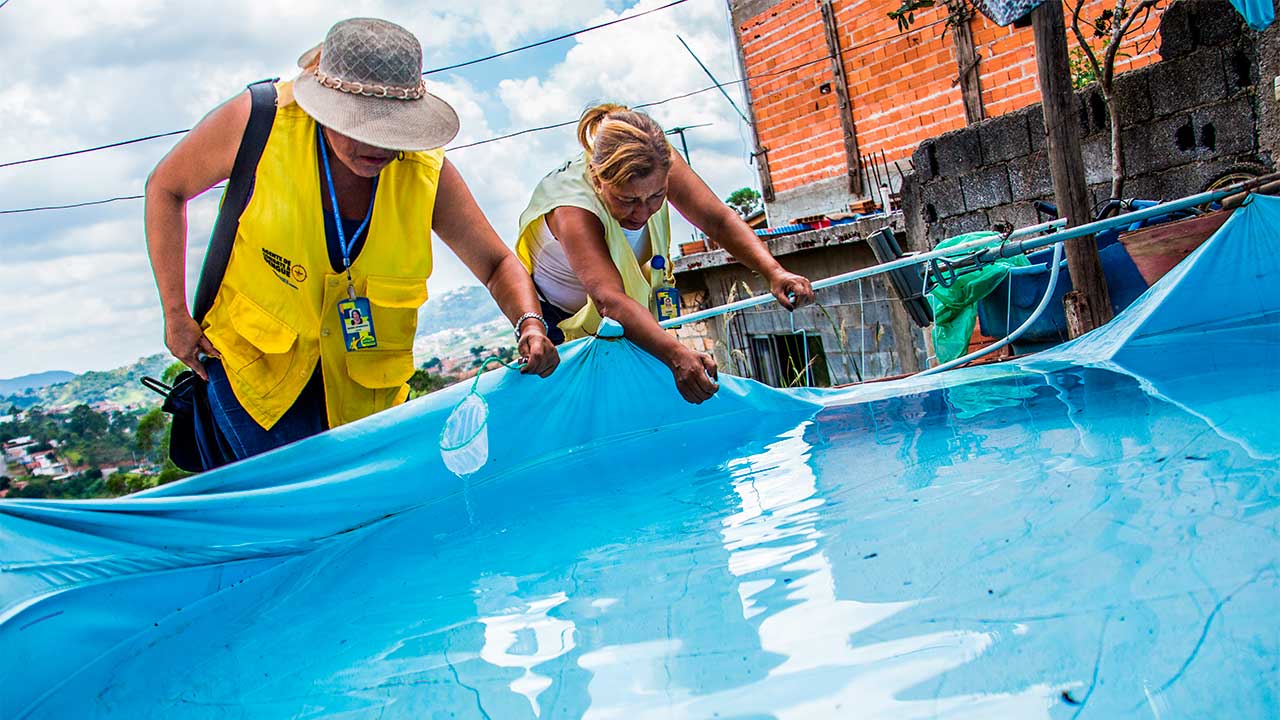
(380, 91)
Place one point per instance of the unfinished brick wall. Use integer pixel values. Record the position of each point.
(784, 53)
(1008, 67)
(903, 87)
(900, 84)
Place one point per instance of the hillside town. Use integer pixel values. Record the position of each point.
(103, 449)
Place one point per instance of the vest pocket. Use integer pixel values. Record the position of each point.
(395, 315)
(259, 349)
(377, 369)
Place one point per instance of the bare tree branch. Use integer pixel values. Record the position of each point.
(1118, 32)
(1084, 44)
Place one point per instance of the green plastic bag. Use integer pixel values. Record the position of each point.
(955, 308)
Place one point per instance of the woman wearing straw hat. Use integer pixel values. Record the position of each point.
(313, 324)
(596, 237)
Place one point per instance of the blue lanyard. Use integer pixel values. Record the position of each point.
(337, 217)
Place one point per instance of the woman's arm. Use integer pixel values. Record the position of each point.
(463, 227)
(582, 235)
(691, 196)
(199, 161)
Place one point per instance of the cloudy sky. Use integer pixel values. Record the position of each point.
(79, 73)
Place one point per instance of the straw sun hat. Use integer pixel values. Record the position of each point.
(365, 81)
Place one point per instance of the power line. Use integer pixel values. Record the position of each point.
(88, 203)
(92, 149)
(574, 122)
(72, 205)
(548, 41)
(541, 128)
(455, 148)
(454, 66)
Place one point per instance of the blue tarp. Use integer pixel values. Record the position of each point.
(1258, 13)
(1091, 529)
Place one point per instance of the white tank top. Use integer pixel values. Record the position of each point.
(555, 278)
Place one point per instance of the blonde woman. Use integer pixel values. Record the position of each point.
(595, 225)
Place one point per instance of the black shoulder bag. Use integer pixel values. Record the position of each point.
(195, 442)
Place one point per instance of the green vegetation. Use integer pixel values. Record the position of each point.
(744, 201)
(87, 440)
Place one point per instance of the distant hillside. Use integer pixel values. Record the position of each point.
(454, 346)
(119, 386)
(13, 386)
(448, 326)
(465, 307)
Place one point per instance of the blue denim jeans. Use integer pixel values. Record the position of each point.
(245, 436)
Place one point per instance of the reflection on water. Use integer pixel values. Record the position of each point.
(523, 635)
(1064, 541)
(823, 673)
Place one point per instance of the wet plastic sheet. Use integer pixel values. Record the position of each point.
(1258, 13)
(1091, 530)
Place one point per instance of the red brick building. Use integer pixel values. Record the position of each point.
(901, 88)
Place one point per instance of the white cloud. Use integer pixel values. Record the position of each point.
(82, 72)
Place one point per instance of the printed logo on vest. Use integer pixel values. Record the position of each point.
(284, 268)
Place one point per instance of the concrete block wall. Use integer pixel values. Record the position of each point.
(902, 87)
(1185, 121)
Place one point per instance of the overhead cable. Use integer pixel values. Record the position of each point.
(72, 205)
(88, 203)
(541, 128)
(548, 41)
(454, 66)
(92, 149)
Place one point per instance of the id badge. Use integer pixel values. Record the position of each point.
(667, 300)
(357, 324)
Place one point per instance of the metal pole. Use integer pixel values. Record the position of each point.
(679, 130)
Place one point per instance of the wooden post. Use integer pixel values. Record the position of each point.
(967, 63)
(1092, 307)
(851, 156)
(762, 164)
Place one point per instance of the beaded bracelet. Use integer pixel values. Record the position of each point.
(531, 316)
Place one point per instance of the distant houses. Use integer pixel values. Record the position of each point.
(37, 459)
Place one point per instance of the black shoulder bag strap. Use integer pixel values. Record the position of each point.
(262, 113)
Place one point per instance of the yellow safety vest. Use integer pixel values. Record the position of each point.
(569, 186)
(275, 315)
